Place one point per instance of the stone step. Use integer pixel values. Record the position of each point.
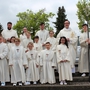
(76, 79)
(70, 86)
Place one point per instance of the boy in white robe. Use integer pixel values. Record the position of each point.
(47, 63)
(72, 41)
(4, 70)
(18, 63)
(83, 60)
(37, 44)
(32, 71)
(63, 60)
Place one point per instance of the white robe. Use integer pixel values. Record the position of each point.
(22, 37)
(64, 68)
(32, 71)
(25, 42)
(4, 69)
(47, 62)
(83, 60)
(53, 41)
(43, 35)
(9, 33)
(38, 47)
(68, 33)
(17, 59)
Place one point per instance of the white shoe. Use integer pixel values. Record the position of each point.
(14, 84)
(27, 83)
(3, 84)
(34, 82)
(20, 84)
(83, 75)
(65, 83)
(61, 83)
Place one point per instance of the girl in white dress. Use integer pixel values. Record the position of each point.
(32, 71)
(63, 60)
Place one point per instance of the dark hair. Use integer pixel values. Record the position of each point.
(47, 43)
(66, 43)
(9, 23)
(36, 37)
(42, 23)
(11, 38)
(85, 25)
(67, 20)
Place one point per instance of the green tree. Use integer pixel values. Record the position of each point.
(83, 12)
(61, 16)
(1, 28)
(32, 20)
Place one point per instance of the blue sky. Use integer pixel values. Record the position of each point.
(10, 8)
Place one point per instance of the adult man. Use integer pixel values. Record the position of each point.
(7, 34)
(42, 33)
(72, 41)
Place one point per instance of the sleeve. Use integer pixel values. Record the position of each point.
(58, 54)
(53, 60)
(82, 41)
(37, 58)
(41, 58)
(11, 57)
(4, 53)
(58, 36)
(68, 57)
(25, 62)
(28, 56)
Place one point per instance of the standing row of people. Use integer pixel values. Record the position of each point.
(33, 60)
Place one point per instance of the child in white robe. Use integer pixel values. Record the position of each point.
(63, 60)
(47, 63)
(37, 44)
(18, 63)
(25, 42)
(32, 71)
(4, 70)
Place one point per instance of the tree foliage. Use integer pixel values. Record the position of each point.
(61, 16)
(1, 28)
(83, 12)
(32, 20)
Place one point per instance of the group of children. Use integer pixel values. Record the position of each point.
(29, 61)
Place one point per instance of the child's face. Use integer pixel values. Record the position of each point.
(28, 35)
(30, 46)
(63, 41)
(17, 42)
(51, 34)
(13, 40)
(36, 39)
(48, 46)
